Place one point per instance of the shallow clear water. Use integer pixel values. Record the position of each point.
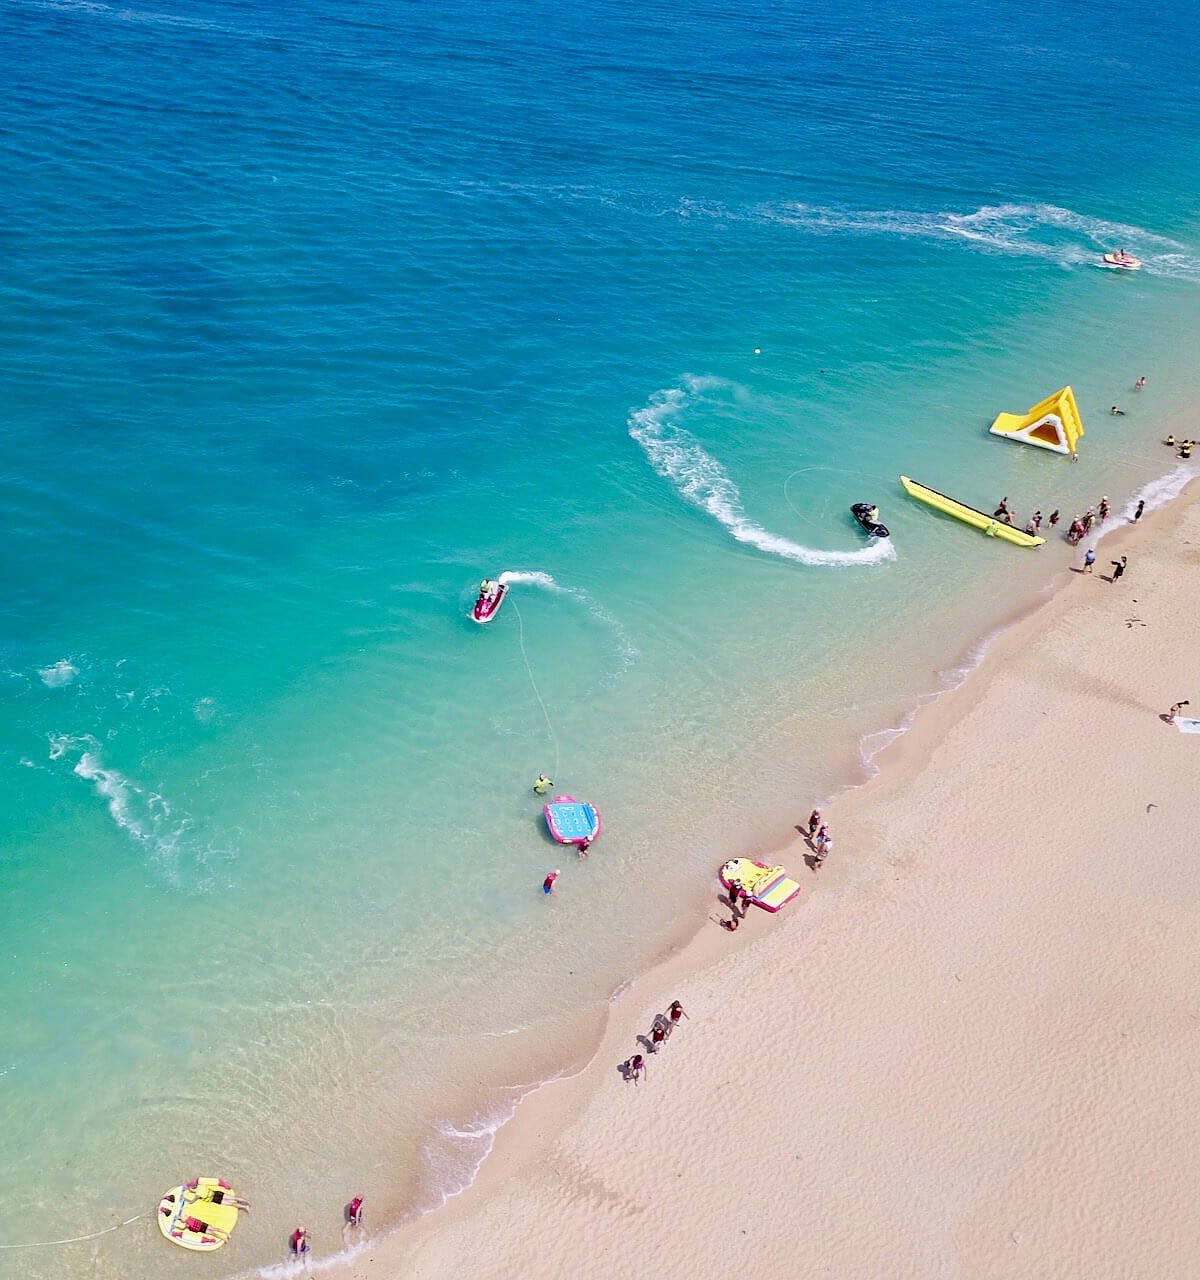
(312, 318)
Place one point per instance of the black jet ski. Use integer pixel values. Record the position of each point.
(861, 511)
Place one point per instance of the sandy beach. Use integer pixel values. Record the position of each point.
(967, 1050)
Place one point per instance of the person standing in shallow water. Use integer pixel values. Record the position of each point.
(1141, 506)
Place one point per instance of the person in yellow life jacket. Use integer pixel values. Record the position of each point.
(542, 785)
(1170, 442)
(873, 515)
(485, 587)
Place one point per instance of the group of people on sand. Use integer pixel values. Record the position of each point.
(634, 1068)
(819, 838)
(298, 1242)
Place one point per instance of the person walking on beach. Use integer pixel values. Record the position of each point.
(658, 1034)
(548, 883)
(636, 1068)
(354, 1212)
(1141, 506)
(676, 1011)
(824, 847)
(814, 823)
(1089, 560)
(1118, 568)
(1176, 708)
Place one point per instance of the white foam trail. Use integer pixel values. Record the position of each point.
(62, 673)
(146, 817)
(538, 578)
(1030, 229)
(697, 476)
(529, 575)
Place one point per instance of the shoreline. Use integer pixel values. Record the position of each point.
(551, 1109)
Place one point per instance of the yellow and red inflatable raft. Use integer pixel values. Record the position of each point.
(199, 1215)
(767, 887)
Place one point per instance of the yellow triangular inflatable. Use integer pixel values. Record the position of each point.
(1053, 423)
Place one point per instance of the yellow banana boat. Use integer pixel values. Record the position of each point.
(968, 515)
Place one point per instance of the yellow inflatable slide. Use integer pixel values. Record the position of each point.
(1053, 423)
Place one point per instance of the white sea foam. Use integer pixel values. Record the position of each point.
(698, 477)
(538, 578)
(1031, 229)
(453, 1159)
(533, 576)
(147, 817)
(60, 674)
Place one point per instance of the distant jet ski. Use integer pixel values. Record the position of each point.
(491, 597)
(867, 515)
(1121, 261)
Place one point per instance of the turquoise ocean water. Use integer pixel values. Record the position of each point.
(310, 317)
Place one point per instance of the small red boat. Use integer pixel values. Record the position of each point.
(491, 597)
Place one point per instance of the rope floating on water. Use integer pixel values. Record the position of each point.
(533, 683)
(42, 1244)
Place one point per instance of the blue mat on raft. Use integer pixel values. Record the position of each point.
(575, 821)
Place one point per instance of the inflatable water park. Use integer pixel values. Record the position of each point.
(1053, 423)
(199, 1215)
(767, 887)
(572, 821)
(980, 520)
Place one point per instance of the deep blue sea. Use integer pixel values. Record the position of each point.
(311, 316)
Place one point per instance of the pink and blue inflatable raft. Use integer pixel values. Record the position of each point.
(571, 821)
